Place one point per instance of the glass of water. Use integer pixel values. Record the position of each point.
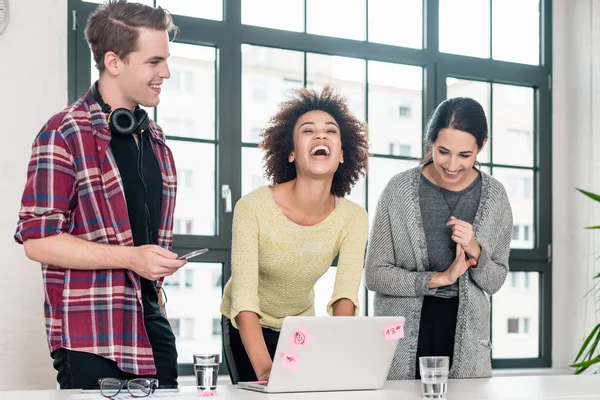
(206, 370)
(434, 376)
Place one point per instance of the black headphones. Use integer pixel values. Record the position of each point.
(122, 121)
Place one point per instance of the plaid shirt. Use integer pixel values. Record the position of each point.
(74, 186)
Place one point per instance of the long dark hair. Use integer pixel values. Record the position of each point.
(461, 113)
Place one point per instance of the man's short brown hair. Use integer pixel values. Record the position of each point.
(113, 26)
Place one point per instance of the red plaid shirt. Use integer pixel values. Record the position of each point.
(74, 186)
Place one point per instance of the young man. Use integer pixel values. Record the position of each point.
(97, 209)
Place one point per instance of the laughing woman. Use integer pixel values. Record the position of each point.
(439, 247)
(285, 236)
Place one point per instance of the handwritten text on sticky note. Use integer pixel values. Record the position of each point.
(207, 394)
(290, 360)
(299, 338)
(393, 331)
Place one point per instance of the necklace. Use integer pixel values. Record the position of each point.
(452, 208)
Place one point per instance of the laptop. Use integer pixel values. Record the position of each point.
(332, 353)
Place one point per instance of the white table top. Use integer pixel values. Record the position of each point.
(582, 387)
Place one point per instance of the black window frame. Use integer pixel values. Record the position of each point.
(229, 34)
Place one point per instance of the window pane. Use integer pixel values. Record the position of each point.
(381, 170)
(324, 18)
(345, 74)
(512, 126)
(209, 9)
(513, 325)
(479, 91)
(465, 27)
(267, 77)
(196, 333)
(324, 290)
(515, 318)
(398, 23)
(358, 194)
(287, 15)
(187, 102)
(196, 203)
(371, 302)
(519, 187)
(253, 169)
(395, 109)
(515, 35)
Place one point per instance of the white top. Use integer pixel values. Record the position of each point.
(563, 387)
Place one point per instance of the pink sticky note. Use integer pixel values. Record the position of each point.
(299, 338)
(290, 360)
(207, 394)
(393, 331)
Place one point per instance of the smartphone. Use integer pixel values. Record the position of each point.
(192, 254)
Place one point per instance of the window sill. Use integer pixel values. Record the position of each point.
(530, 371)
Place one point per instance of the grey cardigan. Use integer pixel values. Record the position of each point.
(397, 271)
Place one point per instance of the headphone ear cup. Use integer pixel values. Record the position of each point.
(123, 122)
(143, 120)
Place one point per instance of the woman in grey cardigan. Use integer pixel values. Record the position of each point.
(439, 247)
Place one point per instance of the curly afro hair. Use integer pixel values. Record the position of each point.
(278, 138)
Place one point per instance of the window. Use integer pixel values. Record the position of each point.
(173, 280)
(183, 226)
(398, 149)
(394, 61)
(180, 81)
(183, 328)
(216, 327)
(189, 277)
(513, 325)
(187, 178)
(176, 326)
(518, 326)
(255, 135)
(404, 111)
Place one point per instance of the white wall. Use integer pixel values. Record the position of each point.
(33, 86)
(576, 163)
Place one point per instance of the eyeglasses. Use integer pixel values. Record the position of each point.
(138, 387)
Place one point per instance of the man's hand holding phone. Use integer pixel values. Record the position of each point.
(153, 262)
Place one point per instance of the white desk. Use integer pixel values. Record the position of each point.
(563, 387)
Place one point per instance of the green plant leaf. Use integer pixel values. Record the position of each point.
(590, 195)
(592, 227)
(592, 289)
(587, 341)
(582, 366)
(592, 349)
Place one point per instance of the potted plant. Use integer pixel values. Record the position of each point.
(588, 355)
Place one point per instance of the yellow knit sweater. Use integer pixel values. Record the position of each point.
(275, 262)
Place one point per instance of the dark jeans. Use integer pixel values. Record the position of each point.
(80, 370)
(238, 363)
(437, 328)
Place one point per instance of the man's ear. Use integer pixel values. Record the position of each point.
(111, 62)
